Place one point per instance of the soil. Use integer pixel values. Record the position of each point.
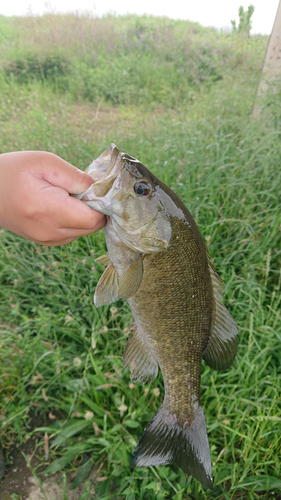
(18, 479)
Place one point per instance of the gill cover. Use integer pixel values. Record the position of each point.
(125, 190)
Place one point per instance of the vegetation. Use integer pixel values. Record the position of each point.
(123, 61)
(245, 24)
(183, 99)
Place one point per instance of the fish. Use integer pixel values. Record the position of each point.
(158, 262)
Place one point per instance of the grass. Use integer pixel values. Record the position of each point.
(62, 357)
(123, 60)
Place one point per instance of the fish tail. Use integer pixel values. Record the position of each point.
(170, 440)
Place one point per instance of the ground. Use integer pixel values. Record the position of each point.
(19, 480)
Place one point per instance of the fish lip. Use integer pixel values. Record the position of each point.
(103, 178)
(110, 172)
(96, 169)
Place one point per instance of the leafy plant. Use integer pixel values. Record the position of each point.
(245, 23)
(52, 68)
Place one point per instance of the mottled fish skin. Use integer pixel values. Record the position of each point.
(174, 295)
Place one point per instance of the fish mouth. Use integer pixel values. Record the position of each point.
(103, 171)
(102, 166)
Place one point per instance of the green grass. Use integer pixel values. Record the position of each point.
(123, 60)
(62, 356)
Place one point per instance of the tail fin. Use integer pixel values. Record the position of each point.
(167, 440)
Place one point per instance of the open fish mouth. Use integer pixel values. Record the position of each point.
(103, 165)
(104, 171)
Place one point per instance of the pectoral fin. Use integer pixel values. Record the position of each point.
(143, 366)
(130, 280)
(107, 287)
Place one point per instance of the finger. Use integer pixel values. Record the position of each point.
(76, 232)
(64, 236)
(71, 213)
(55, 243)
(60, 173)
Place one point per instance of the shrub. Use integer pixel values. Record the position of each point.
(53, 68)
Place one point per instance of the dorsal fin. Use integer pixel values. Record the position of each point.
(223, 343)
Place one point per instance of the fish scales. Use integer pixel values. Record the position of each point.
(158, 262)
(169, 299)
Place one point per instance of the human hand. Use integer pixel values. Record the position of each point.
(35, 201)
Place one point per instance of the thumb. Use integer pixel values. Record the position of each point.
(62, 174)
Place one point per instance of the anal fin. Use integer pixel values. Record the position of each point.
(143, 366)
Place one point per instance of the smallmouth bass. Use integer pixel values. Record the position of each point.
(157, 261)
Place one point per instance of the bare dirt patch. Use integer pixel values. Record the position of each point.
(16, 476)
(19, 480)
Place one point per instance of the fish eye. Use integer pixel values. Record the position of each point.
(142, 188)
